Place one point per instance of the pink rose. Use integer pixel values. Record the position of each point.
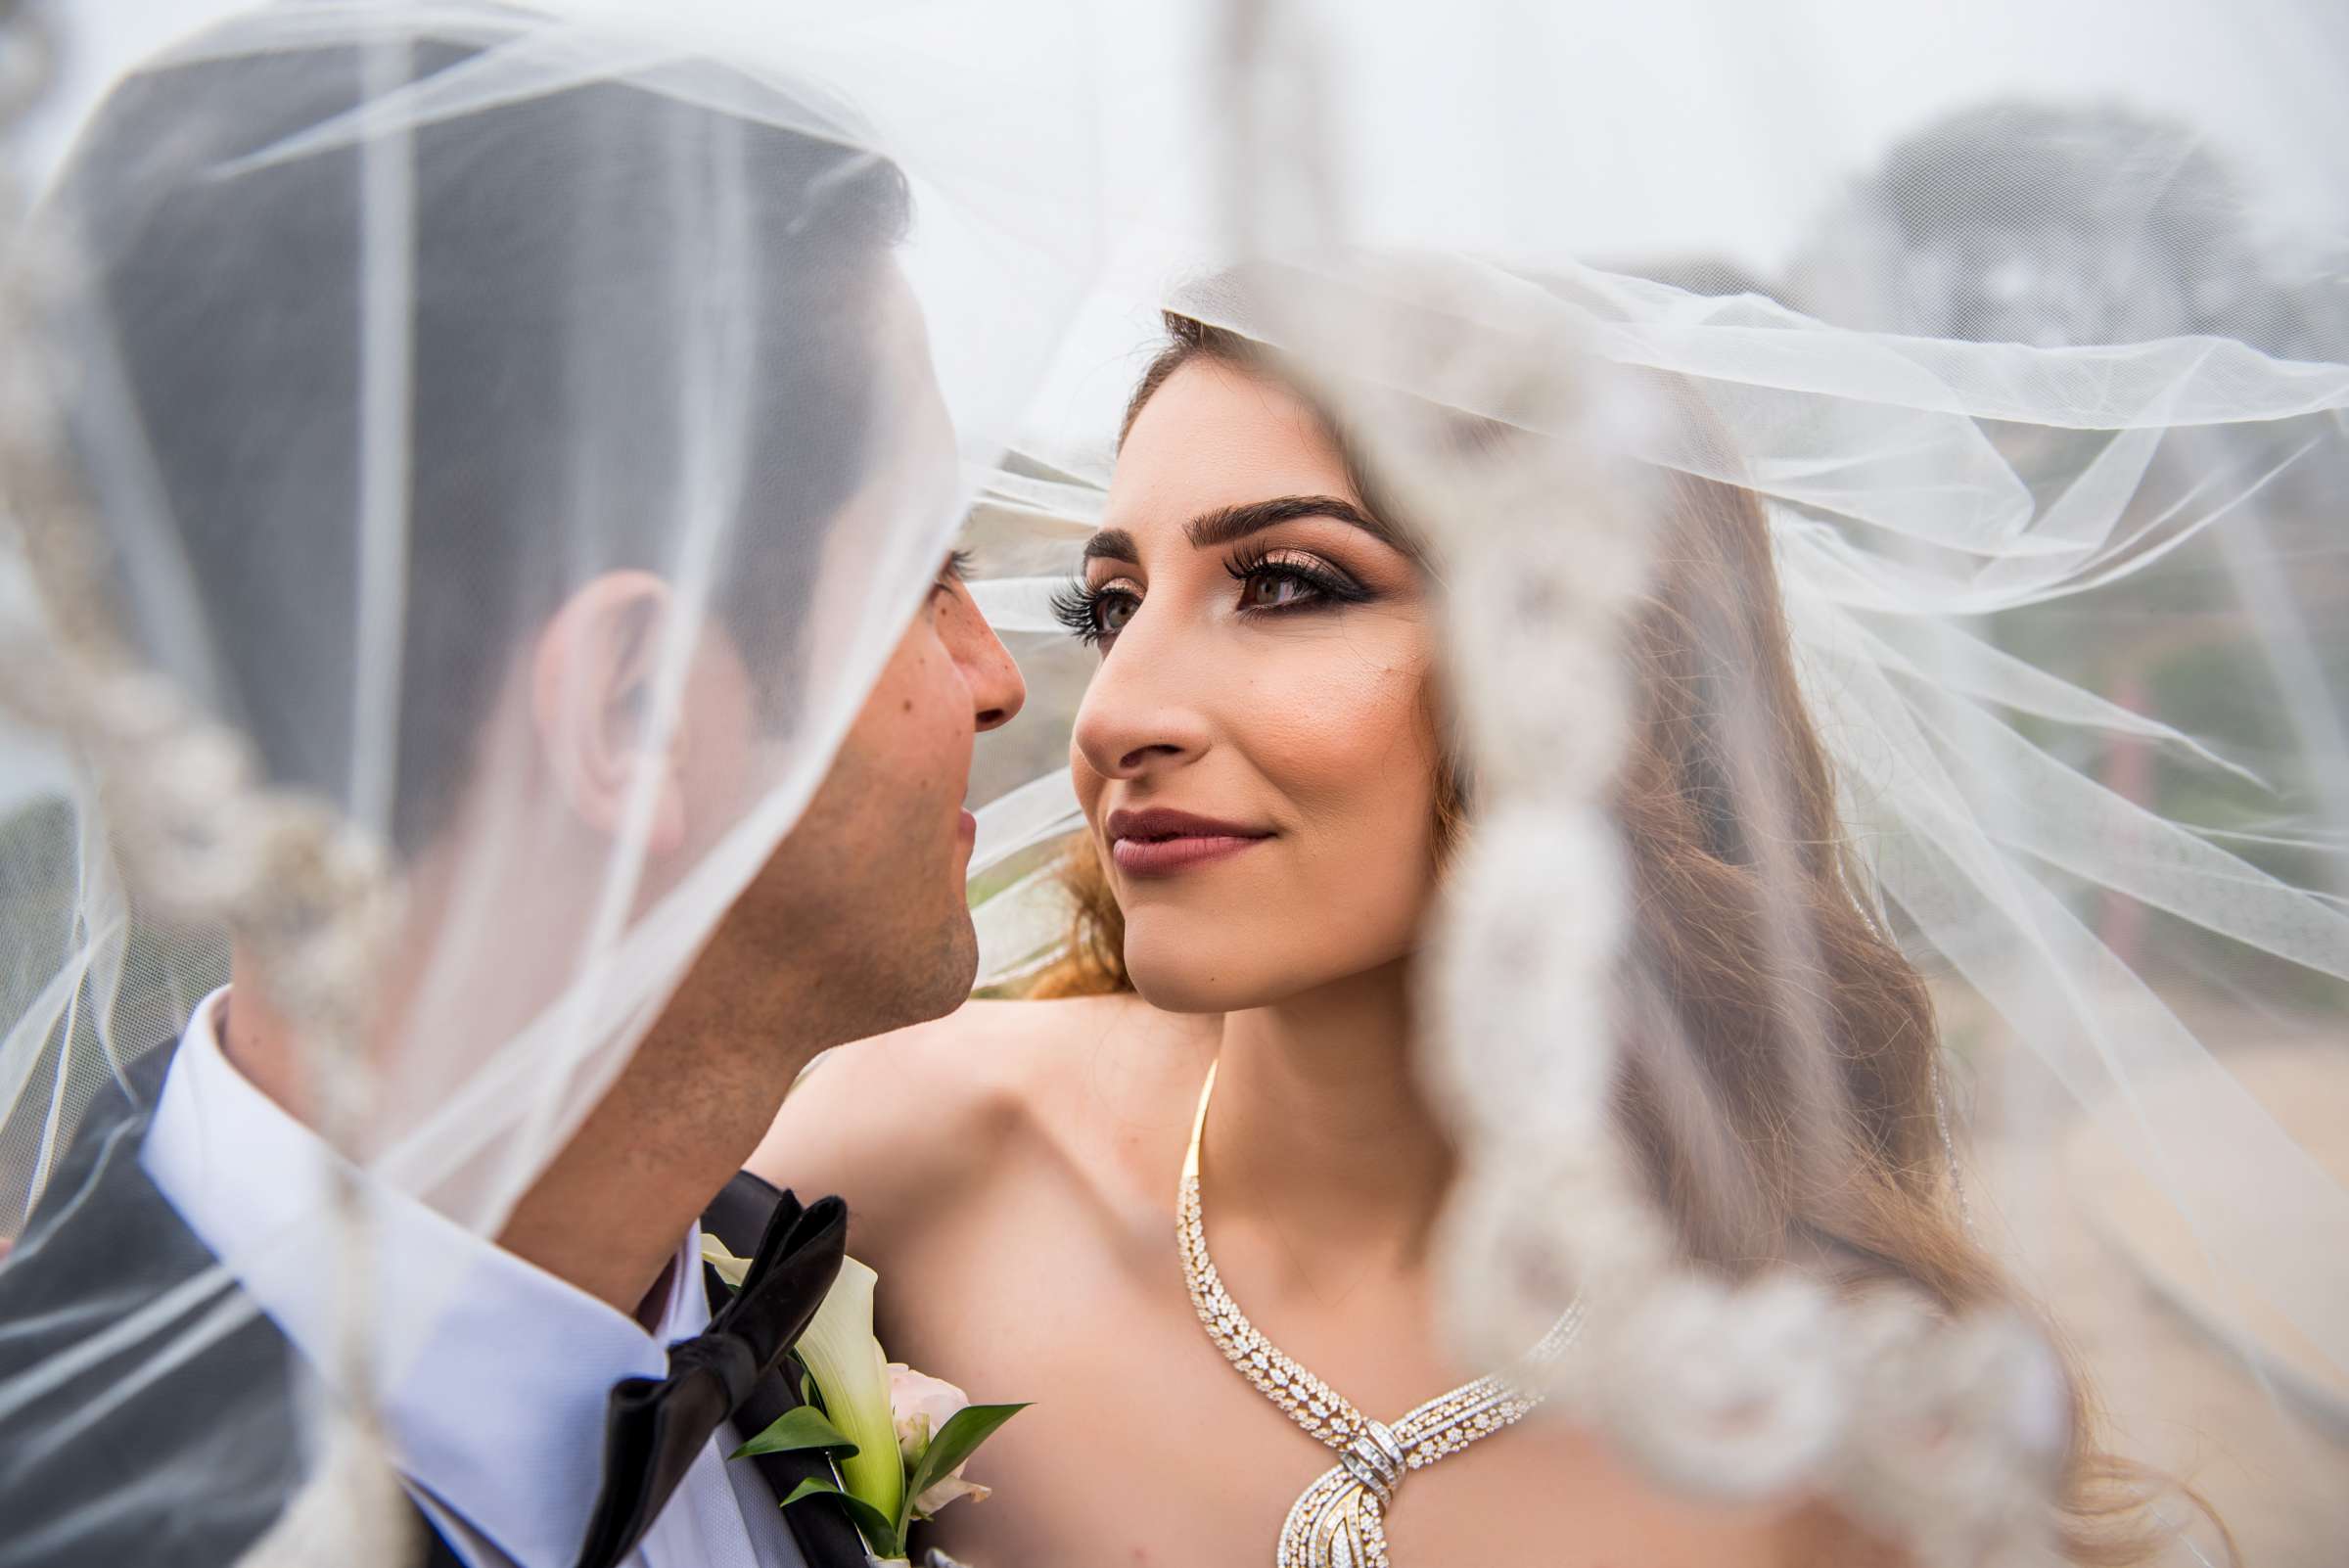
(922, 1406)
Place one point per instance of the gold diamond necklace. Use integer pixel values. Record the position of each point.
(1340, 1520)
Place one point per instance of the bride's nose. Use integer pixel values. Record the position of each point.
(1142, 712)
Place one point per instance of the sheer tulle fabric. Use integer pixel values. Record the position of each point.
(2023, 322)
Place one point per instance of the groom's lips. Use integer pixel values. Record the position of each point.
(1161, 841)
(966, 828)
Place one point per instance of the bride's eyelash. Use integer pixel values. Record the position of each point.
(1077, 607)
(1326, 584)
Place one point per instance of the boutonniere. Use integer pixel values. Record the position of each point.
(898, 1440)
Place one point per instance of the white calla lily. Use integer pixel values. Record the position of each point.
(894, 1415)
(730, 1269)
(846, 1362)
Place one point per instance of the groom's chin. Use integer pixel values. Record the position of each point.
(958, 968)
(938, 973)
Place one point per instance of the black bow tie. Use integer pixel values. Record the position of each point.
(654, 1431)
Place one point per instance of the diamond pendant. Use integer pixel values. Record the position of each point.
(1340, 1521)
(1335, 1524)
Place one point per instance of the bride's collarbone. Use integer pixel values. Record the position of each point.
(1144, 1445)
(1180, 1472)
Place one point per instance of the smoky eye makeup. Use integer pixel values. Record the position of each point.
(1271, 580)
(1280, 581)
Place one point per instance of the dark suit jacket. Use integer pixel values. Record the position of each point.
(195, 1463)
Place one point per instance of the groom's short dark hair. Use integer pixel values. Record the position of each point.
(229, 304)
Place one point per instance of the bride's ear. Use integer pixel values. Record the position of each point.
(593, 675)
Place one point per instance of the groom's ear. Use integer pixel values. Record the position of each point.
(593, 675)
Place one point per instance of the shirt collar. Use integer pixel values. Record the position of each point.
(494, 1374)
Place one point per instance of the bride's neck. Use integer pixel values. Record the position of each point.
(1318, 1127)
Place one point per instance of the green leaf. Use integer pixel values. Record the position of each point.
(954, 1443)
(793, 1431)
(881, 1532)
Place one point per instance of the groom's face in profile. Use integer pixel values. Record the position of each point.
(869, 884)
(858, 923)
(884, 847)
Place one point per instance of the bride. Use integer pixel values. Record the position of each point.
(1270, 803)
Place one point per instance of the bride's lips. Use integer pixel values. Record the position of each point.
(1160, 842)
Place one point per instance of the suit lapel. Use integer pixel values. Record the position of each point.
(104, 1238)
(826, 1538)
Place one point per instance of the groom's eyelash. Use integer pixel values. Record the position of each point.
(958, 569)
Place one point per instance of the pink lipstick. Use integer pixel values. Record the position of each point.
(1160, 842)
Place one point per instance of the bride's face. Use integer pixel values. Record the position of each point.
(1255, 755)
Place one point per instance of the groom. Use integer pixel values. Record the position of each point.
(576, 1406)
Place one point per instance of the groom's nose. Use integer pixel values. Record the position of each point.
(997, 690)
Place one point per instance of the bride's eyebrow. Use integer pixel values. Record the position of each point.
(1111, 544)
(1229, 524)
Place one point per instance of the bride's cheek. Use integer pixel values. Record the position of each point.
(1359, 768)
(1353, 746)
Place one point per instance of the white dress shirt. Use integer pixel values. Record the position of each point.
(494, 1374)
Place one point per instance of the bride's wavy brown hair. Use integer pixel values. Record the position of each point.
(1719, 719)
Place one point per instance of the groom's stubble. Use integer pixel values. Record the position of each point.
(857, 925)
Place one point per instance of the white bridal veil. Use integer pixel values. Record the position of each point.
(2027, 324)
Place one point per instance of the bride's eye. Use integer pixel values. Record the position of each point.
(1095, 616)
(1285, 583)
(1270, 590)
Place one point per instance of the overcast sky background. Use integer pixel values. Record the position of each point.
(1673, 127)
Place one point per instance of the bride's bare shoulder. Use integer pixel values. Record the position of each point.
(908, 1122)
